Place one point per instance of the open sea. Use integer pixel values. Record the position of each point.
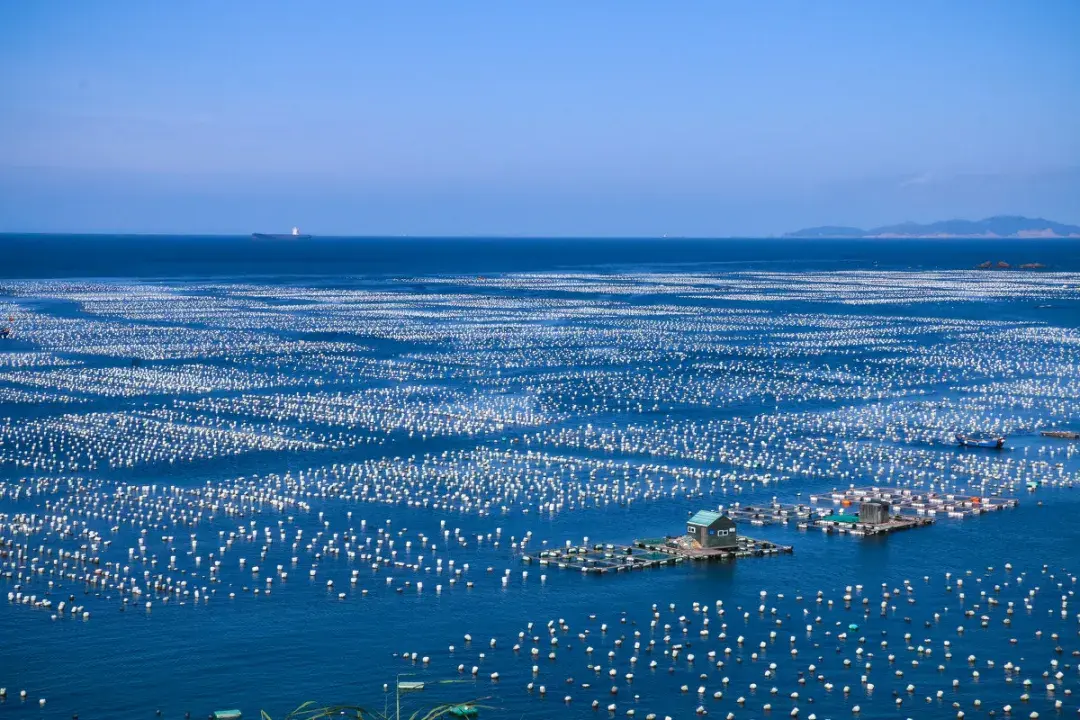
(251, 474)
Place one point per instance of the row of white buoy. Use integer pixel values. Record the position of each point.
(87, 508)
(164, 574)
(59, 540)
(427, 411)
(210, 429)
(419, 411)
(129, 382)
(88, 441)
(22, 696)
(902, 689)
(851, 287)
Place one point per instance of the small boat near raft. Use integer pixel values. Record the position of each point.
(990, 442)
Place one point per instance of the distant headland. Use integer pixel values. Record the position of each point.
(1002, 226)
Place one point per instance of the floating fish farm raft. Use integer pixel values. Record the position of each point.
(772, 513)
(648, 553)
(807, 518)
(909, 503)
(744, 547)
(851, 525)
(902, 510)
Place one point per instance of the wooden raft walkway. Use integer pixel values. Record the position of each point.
(649, 553)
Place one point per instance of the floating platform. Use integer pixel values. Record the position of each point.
(1061, 434)
(906, 503)
(685, 547)
(826, 520)
(850, 525)
(603, 558)
(907, 510)
(772, 514)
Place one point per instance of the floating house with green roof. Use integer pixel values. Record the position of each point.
(711, 530)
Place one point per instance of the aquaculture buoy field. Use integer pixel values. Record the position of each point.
(234, 481)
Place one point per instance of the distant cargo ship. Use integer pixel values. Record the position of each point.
(294, 235)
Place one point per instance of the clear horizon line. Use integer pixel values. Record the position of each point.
(284, 237)
(5, 234)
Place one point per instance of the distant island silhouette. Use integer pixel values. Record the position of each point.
(1002, 226)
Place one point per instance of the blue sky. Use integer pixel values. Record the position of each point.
(559, 117)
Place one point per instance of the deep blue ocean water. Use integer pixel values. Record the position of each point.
(490, 389)
(180, 256)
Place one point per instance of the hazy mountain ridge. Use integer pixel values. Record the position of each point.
(1002, 226)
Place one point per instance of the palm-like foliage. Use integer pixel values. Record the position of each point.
(313, 711)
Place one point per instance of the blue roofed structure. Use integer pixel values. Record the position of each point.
(711, 529)
(705, 517)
